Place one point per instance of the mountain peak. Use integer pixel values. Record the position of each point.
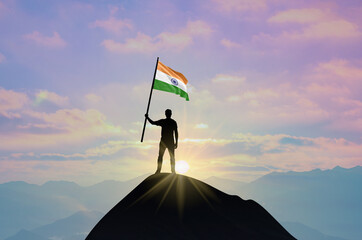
(24, 234)
(59, 183)
(338, 168)
(171, 206)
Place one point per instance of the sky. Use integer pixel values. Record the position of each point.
(273, 85)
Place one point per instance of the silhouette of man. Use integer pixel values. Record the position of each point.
(169, 127)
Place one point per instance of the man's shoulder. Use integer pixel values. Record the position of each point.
(173, 122)
(170, 120)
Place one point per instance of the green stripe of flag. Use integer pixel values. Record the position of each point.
(162, 86)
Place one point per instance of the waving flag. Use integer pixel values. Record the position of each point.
(169, 80)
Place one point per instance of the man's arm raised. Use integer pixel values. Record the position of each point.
(149, 119)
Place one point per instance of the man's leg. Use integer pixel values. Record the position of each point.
(161, 151)
(171, 151)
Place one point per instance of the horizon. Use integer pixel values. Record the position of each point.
(273, 86)
(149, 174)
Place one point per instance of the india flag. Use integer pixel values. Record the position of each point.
(169, 80)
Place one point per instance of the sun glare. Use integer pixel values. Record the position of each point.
(182, 167)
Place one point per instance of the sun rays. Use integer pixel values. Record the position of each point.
(174, 188)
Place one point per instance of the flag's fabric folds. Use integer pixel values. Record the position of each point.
(169, 80)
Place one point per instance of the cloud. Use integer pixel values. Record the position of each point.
(239, 168)
(11, 102)
(76, 134)
(225, 78)
(267, 106)
(103, 151)
(54, 41)
(341, 68)
(334, 88)
(93, 98)
(44, 95)
(295, 141)
(229, 44)
(242, 153)
(60, 130)
(142, 43)
(326, 89)
(249, 152)
(74, 120)
(305, 153)
(228, 6)
(335, 84)
(332, 30)
(304, 15)
(316, 25)
(347, 124)
(281, 104)
(174, 41)
(84, 172)
(341, 29)
(201, 126)
(2, 58)
(334, 79)
(113, 24)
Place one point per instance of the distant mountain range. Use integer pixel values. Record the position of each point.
(328, 202)
(74, 227)
(27, 206)
(303, 232)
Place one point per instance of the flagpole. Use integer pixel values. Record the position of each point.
(149, 100)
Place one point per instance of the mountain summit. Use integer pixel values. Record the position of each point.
(171, 206)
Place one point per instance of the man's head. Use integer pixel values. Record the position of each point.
(168, 113)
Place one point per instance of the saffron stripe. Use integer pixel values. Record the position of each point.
(169, 71)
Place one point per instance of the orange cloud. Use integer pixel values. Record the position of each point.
(54, 41)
